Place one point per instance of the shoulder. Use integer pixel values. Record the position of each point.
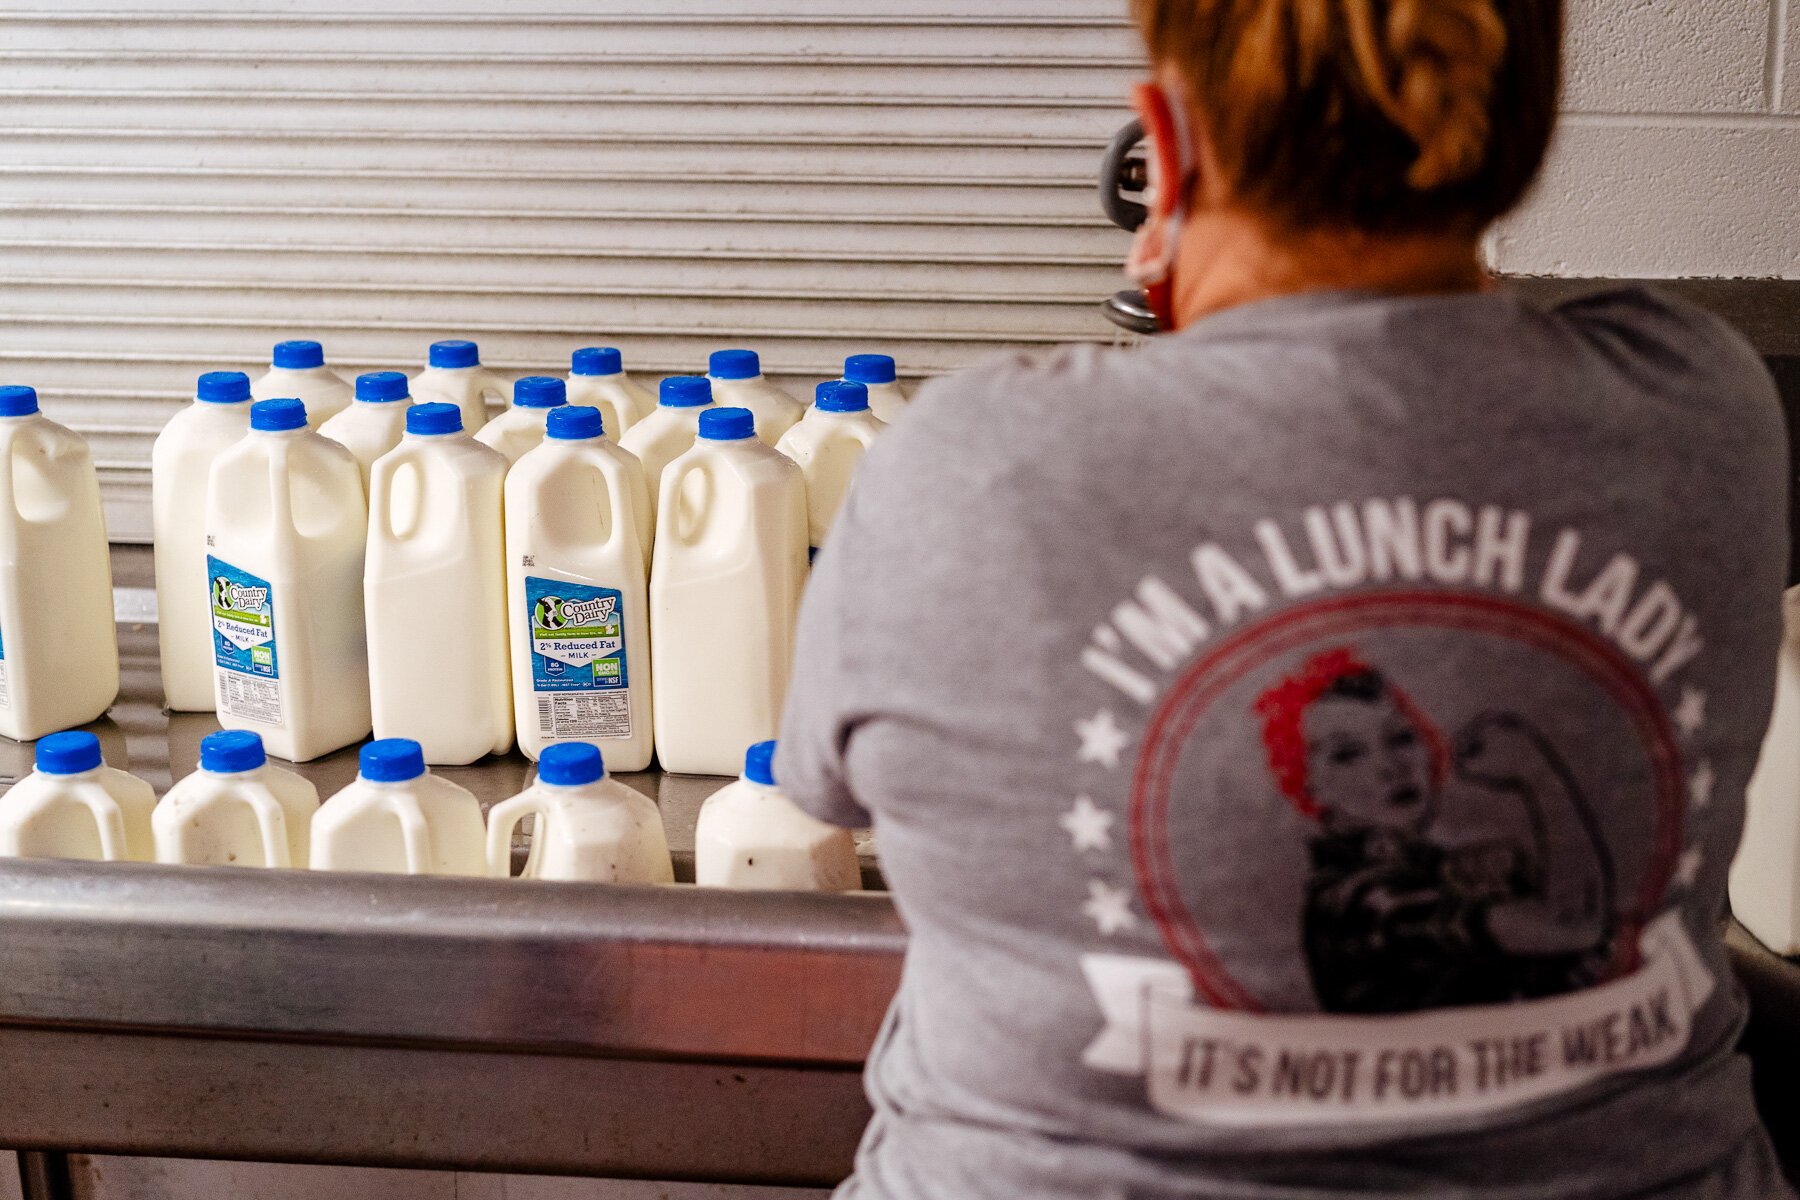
(1666, 340)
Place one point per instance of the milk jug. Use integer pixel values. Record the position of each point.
(75, 806)
(399, 818)
(59, 651)
(521, 427)
(180, 465)
(738, 382)
(751, 836)
(597, 379)
(435, 591)
(374, 422)
(826, 445)
(577, 556)
(285, 529)
(876, 372)
(725, 582)
(667, 433)
(236, 810)
(588, 827)
(299, 373)
(453, 374)
(1765, 875)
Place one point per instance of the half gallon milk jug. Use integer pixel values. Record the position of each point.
(435, 590)
(453, 374)
(588, 827)
(876, 372)
(521, 427)
(285, 531)
(725, 584)
(75, 806)
(400, 819)
(1765, 875)
(374, 422)
(299, 372)
(180, 465)
(826, 445)
(59, 650)
(597, 379)
(738, 382)
(236, 810)
(666, 434)
(751, 836)
(577, 554)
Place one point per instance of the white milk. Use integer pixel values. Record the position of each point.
(876, 372)
(826, 445)
(435, 592)
(180, 465)
(74, 806)
(725, 584)
(588, 828)
(400, 819)
(597, 379)
(453, 374)
(59, 650)
(521, 427)
(1765, 875)
(577, 557)
(738, 382)
(299, 373)
(668, 432)
(286, 528)
(374, 422)
(751, 836)
(236, 810)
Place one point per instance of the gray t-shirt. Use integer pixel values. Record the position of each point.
(1307, 751)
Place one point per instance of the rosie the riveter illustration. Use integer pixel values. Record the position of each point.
(1397, 919)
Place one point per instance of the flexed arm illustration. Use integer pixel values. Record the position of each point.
(1569, 905)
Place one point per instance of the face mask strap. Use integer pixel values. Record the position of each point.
(1172, 170)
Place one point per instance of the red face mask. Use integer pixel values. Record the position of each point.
(1172, 169)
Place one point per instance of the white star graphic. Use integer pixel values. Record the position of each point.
(1089, 826)
(1688, 869)
(1700, 786)
(1102, 740)
(1108, 907)
(1690, 714)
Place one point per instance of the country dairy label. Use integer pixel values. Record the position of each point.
(243, 610)
(578, 659)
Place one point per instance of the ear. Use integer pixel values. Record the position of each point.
(1171, 153)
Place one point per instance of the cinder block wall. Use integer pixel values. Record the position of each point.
(1680, 151)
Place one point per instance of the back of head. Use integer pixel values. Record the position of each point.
(1385, 116)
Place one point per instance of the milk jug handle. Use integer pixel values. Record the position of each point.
(688, 530)
(109, 821)
(281, 494)
(503, 818)
(271, 825)
(620, 502)
(415, 834)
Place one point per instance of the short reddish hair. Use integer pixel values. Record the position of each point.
(1283, 710)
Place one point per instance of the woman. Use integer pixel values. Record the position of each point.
(1032, 650)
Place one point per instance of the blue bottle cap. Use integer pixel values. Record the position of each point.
(727, 424)
(68, 753)
(391, 760)
(571, 764)
(540, 391)
(596, 360)
(842, 395)
(734, 364)
(277, 416)
(232, 750)
(453, 354)
(574, 423)
(685, 391)
(381, 387)
(759, 764)
(299, 356)
(17, 400)
(223, 387)
(869, 368)
(432, 419)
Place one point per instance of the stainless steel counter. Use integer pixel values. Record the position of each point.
(672, 1033)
